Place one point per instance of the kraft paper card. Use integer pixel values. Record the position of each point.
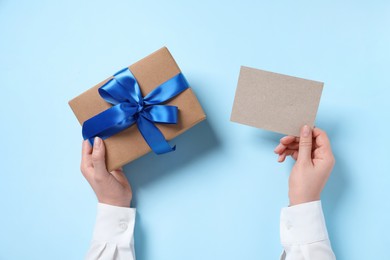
(275, 102)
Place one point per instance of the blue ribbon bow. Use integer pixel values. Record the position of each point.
(129, 107)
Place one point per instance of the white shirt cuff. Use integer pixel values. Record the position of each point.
(114, 224)
(302, 224)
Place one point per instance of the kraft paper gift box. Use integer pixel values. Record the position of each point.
(275, 102)
(149, 72)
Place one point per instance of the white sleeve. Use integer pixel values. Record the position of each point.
(113, 234)
(303, 233)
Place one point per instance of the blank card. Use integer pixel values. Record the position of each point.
(275, 102)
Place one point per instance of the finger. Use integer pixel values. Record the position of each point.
(293, 146)
(321, 138)
(322, 143)
(292, 153)
(98, 158)
(289, 139)
(86, 158)
(86, 152)
(305, 144)
(282, 157)
(284, 142)
(280, 148)
(317, 131)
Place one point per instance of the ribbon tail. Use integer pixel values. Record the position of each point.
(108, 123)
(153, 136)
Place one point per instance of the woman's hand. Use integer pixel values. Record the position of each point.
(314, 163)
(110, 187)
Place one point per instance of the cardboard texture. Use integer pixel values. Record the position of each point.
(129, 144)
(275, 102)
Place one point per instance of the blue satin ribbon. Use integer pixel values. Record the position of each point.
(129, 107)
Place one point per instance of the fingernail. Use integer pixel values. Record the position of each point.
(305, 131)
(97, 142)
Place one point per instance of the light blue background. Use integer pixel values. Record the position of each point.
(219, 195)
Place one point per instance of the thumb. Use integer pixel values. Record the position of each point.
(98, 157)
(305, 144)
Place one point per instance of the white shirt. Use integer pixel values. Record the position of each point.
(113, 236)
(302, 231)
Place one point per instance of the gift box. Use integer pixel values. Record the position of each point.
(159, 113)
